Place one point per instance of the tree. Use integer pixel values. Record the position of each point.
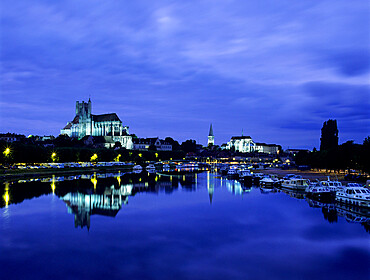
(174, 143)
(329, 135)
(152, 147)
(189, 146)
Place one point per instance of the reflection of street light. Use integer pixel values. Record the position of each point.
(6, 195)
(94, 181)
(53, 184)
(7, 152)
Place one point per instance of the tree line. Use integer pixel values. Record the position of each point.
(347, 156)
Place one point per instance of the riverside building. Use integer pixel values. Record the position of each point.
(107, 125)
(245, 144)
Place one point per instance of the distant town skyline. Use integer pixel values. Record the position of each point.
(274, 70)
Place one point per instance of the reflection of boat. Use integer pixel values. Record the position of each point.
(224, 169)
(294, 193)
(354, 214)
(358, 196)
(266, 191)
(295, 184)
(319, 204)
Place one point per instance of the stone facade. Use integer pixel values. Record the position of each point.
(245, 144)
(107, 125)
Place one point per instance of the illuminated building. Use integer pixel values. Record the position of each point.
(245, 144)
(107, 125)
(211, 137)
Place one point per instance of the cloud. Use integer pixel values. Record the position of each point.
(258, 66)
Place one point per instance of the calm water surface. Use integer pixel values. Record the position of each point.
(194, 226)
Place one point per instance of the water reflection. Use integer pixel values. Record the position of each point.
(106, 193)
(106, 204)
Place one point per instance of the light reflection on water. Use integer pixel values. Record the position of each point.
(162, 226)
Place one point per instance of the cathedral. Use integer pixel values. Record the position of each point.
(107, 125)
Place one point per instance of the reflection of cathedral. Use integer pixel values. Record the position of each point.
(107, 204)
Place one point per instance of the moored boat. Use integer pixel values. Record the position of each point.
(295, 184)
(137, 168)
(316, 191)
(245, 175)
(355, 195)
(334, 186)
(267, 182)
(232, 173)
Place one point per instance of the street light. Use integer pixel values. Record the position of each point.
(53, 156)
(7, 152)
(94, 157)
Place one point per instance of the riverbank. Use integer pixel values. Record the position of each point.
(31, 173)
(307, 174)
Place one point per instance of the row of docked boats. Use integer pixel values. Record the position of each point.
(353, 193)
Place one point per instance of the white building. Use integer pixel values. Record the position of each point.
(145, 143)
(107, 125)
(242, 144)
(245, 144)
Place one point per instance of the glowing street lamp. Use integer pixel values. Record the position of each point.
(94, 157)
(7, 152)
(54, 156)
(117, 157)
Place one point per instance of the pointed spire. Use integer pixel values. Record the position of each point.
(210, 131)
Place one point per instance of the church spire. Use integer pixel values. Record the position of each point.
(210, 131)
(211, 137)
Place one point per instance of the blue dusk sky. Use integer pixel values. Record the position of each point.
(276, 69)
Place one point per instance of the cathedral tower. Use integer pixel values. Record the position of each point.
(211, 137)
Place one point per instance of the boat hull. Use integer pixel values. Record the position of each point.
(353, 201)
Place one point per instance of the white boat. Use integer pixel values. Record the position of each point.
(292, 176)
(232, 173)
(317, 191)
(334, 186)
(354, 195)
(137, 168)
(246, 176)
(150, 167)
(166, 166)
(295, 184)
(257, 177)
(267, 182)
